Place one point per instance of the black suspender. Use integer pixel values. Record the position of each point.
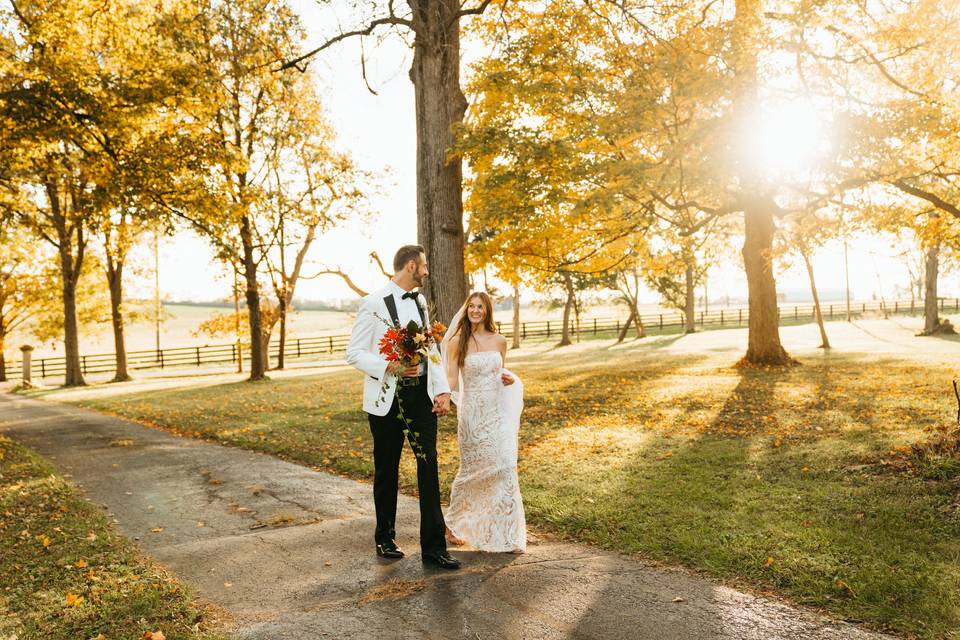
(391, 303)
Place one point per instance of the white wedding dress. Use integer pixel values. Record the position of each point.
(486, 510)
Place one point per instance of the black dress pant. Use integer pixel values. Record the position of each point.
(387, 446)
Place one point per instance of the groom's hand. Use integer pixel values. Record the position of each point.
(441, 404)
(397, 368)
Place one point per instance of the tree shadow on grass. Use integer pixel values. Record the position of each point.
(788, 516)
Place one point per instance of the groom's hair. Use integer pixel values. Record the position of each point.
(405, 254)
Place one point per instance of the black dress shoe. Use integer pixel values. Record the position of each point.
(441, 560)
(389, 550)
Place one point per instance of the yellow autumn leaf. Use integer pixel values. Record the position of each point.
(80, 564)
(73, 600)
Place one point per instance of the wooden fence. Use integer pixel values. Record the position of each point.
(320, 347)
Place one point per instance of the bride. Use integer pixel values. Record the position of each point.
(486, 510)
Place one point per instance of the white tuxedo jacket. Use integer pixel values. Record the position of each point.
(363, 352)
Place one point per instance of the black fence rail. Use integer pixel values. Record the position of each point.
(318, 347)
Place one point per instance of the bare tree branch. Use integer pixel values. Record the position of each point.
(297, 63)
(337, 272)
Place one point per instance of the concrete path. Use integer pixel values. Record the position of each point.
(288, 552)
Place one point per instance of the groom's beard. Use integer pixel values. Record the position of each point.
(418, 280)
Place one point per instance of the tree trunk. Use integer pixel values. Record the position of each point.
(283, 331)
(516, 317)
(689, 310)
(638, 320)
(626, 326)
(3, 357)
(931, 312)
(824, 342)
(115, 283)
(257, 354)
(565, 336)
(763, 342)
(440, 105)
(71, 340)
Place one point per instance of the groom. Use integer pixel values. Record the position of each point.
(425, 394)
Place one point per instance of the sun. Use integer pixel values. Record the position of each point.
(786, 139)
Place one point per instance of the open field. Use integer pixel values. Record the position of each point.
(797, 482)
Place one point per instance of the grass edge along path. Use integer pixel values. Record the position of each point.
(65, 573)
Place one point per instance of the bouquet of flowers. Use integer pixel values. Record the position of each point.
(412, 344)
(409, 345)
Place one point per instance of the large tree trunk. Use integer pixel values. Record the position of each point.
(763, 342)
(931, 312)
(824, 342)
(71, 338)
(516, 317)
(115, 282)
(689, 310)
(440, 106)
(565, 336)
(257, 353)
(70, 267)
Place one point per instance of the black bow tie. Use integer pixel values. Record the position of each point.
(410, 294)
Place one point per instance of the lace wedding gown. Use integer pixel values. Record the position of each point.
(486, 510)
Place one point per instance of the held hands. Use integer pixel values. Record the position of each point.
(441, 404)
(506, 379)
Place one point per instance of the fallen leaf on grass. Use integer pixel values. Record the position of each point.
(157, 529)
(679, 600)
(80, 564)
(154, 635)
(768, 563)
(73, 600)
(44, 540)
(228, 584)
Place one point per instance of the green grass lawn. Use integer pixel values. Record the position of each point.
(797, 482)
(65, 574)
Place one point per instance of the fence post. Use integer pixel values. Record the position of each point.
(523, 330)
(594, 326)
(739, 317)
(942, 300)
(548, 328)
(721, 317)
(831, 312)
(661, 321)
(499, 330)
(43, 368)
(796, 312)
(701, 318)
(26, 352)
(83, 359)
(864, 308)
(330, 342)
(161, 358)
(298, 347)
(896, 306)
(198, 356)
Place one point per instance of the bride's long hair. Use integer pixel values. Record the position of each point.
(464, 328)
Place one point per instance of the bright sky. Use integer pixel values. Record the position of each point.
(379, 132)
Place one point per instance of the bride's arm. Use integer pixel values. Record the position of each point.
(453, 357)
(505, 378)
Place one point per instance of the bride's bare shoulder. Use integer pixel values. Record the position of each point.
(500, 339)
